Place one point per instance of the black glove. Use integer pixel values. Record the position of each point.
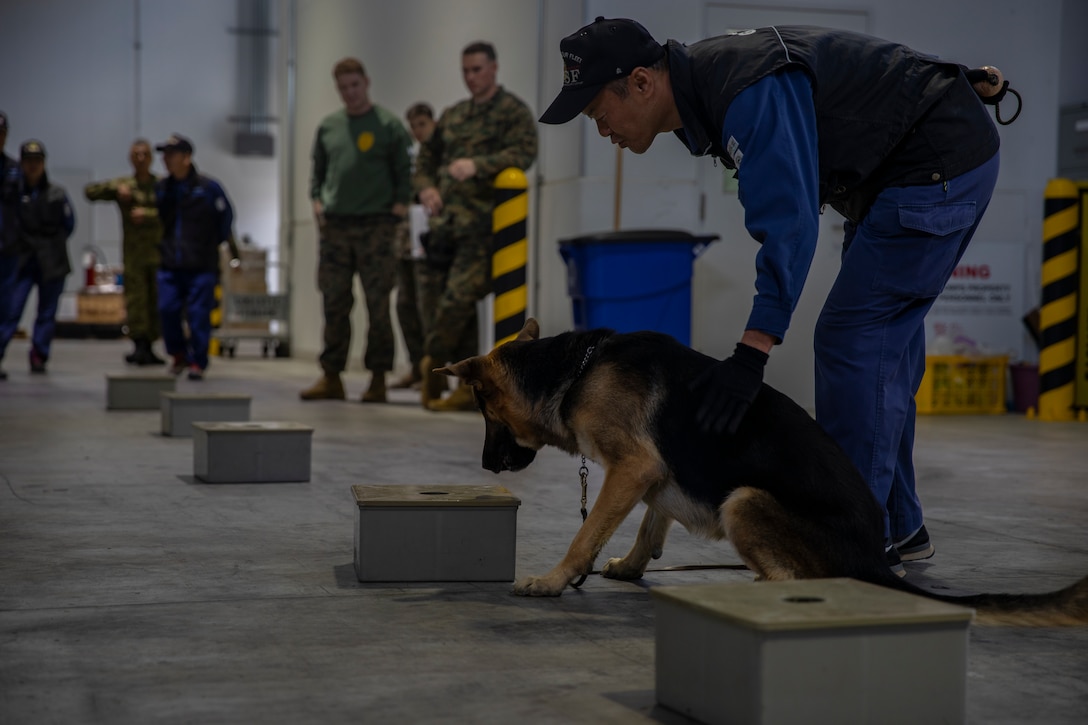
(728, 389)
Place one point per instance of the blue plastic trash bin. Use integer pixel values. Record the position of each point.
(633, 280)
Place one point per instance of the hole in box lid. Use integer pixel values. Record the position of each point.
(803, 600)
(434, 493)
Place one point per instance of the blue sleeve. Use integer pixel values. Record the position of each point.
(224, 210)
(770, 131)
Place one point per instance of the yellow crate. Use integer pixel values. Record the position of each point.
(955, 384)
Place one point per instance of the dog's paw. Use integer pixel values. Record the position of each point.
(622, 569)
(539, 586)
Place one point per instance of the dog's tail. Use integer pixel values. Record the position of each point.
(1063, 608)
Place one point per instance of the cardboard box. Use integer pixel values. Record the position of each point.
(106, 308)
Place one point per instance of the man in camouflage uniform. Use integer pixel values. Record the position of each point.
(474, 140)
(142, 235)
(420, 117)
(360, 187)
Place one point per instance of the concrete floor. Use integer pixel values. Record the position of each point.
(132, 593)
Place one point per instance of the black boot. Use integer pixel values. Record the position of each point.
(144, 355)
(133, 356)
(152, 358)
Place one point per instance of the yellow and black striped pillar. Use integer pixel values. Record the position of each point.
(1058, 314)
(510, 253)
(1080, 383)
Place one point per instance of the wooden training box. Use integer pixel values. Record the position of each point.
(810, 651)
(181, 410)
(102, 308)
(251, 452)
(137, 392)
(439, 533)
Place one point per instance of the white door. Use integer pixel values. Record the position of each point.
(724, 276)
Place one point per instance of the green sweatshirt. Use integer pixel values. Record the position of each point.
(360, 163)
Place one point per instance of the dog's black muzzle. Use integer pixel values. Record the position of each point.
(501, 451)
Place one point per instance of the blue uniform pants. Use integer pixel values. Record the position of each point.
(870, 337)
(17, 291)
(191, 294)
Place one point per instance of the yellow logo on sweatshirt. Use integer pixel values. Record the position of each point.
(365, 142)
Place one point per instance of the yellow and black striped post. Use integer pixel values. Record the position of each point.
(1058, 314)
(1080, 384)
(510, 253)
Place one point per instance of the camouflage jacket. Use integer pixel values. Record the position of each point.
(146, 234)
(496, 135)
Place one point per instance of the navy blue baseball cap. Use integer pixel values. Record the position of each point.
(176, 142)
(600, 52)
(32, 149)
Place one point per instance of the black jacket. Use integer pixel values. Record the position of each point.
(10, 181)
(45, 223)
(196, 216)
(886, 115)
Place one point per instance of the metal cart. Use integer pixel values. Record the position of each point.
(248, 310)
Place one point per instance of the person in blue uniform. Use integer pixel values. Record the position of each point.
(196, 218)
(44, 223)
(897, 142)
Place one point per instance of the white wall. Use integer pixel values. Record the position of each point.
(412, 52)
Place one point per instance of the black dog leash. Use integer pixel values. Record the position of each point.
(990, 85)
(583, 472)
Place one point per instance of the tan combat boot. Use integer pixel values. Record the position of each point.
(460, 399)
(328, 387)
(433, 383)
(376, 392)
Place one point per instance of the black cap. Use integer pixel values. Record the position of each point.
(598, 53)
(176, 142)
(3, 121)
(32, 150)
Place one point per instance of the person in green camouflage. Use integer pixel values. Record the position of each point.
(420, 117)
(360, 186)
(474, 140)
(142, 234)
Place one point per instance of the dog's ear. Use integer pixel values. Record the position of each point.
(468, 370)
(531, 330)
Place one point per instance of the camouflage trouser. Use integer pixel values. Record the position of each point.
(364, 245)
(408, 308)
(141, 289)
(449, 296)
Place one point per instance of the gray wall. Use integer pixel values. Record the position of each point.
(75, 79)
(81, 87)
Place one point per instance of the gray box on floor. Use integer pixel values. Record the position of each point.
(137, 392)
(181, 410)
(813, 651)
(434, 533)
(254, 452)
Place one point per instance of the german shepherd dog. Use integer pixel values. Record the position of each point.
(779, 489)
